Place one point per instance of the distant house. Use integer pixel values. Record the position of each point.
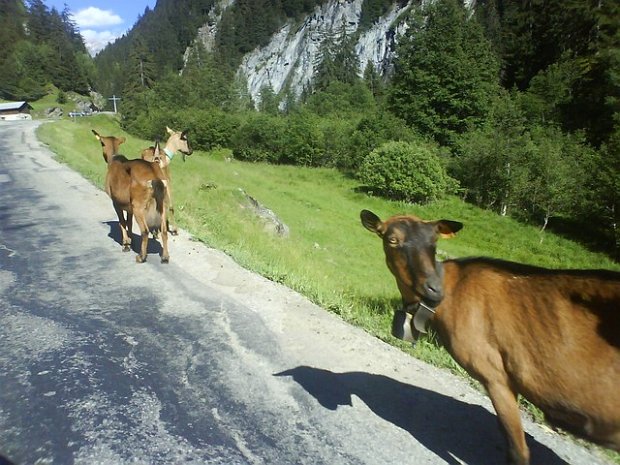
(15, 111)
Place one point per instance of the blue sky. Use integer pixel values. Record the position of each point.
(102, 21)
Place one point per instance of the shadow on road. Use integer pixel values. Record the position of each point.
(5, 461)
(448, 427)
(154, 247)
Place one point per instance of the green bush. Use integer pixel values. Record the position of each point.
(372, 131)
(208, 129)
(302, 140)
(409, 171)
(259, 138)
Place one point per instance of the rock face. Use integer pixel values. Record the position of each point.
(288, 62)
(292, 55)
(271, 222)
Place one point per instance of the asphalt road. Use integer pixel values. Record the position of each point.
(105, 361)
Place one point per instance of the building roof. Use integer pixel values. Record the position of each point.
(13, 105)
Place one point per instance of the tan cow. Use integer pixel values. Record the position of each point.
(177, 142)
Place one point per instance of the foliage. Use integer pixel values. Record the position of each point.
(337, 60)
(39, 47)
(374, 129)
(61, 98)
(604, 205)
(341, 99)
(581, 36)
(268, 100)
(141, 69)
(535, 172)
(407, 171)
(446, 72)
(489, 160)
(259, 138)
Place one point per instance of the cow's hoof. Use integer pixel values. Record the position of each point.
(165, 259)
(126, 248)
(140, 259)
(174, 232)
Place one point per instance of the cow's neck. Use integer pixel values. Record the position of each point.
(169, 151)
(443, 320)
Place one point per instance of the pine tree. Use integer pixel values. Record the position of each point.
(337, 60)
(141, 70)
(446, 72)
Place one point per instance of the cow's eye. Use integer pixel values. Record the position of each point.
(392, 240)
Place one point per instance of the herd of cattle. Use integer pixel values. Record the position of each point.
(142, 188)
(552, 336)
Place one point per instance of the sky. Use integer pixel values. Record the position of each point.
(102, 21)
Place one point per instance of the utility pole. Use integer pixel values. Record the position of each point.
(114, 99)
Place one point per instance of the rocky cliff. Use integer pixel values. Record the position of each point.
(288, 62)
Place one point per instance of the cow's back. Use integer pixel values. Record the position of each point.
(555, 333)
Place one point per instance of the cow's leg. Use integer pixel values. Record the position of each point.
(505, 403)
(123, 225)
(130, 226)
(165, 256)
(144, 230)
(171, 224)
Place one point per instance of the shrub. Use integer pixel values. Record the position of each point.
(409, 171)
(371, 132)
(208, 129)
(301, 140)
(259, 138)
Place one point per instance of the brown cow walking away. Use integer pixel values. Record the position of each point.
(552, 336)
(139, 188)
(117, 177)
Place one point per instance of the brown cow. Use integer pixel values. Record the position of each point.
(110, 148)
(140, 188)
(552, 336)
(177, 142)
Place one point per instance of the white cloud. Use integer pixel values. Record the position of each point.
(96, 18)
(97, 40)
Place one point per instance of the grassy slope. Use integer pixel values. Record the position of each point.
(329, 256)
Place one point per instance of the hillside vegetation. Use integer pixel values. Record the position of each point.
(513, 106)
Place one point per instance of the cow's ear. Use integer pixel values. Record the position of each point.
(372, 222)
(121, 140)
(170, 131)
(448, 228)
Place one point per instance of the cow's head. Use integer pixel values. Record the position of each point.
(109, 144)
(178, 141)
(409, 244)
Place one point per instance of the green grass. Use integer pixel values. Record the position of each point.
(329, 257)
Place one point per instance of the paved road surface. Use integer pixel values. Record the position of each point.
(105, 361)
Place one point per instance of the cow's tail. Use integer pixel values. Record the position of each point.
(156, 209)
